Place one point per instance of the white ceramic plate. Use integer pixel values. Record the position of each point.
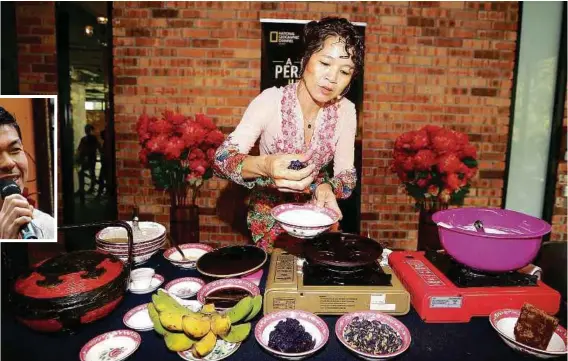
(222, 350)
(185, 287)
(138, 318)
(115, 345)
(157, 280)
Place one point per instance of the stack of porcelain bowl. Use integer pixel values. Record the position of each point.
(149, 237)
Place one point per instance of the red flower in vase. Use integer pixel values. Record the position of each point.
(434, 163)
(178, 149)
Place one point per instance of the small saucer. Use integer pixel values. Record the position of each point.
(223, 349)
(138, 318)
(157, 280)
(115, 345)
(185, 287)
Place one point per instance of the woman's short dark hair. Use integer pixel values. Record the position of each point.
(8, 119)
(316, 32)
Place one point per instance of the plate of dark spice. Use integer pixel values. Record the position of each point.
(227, 292)
(291, 334)
(372, 335)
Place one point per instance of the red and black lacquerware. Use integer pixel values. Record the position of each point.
(72, 289)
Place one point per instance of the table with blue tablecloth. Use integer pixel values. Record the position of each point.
(475, 340)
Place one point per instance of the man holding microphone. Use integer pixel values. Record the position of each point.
(18, 219)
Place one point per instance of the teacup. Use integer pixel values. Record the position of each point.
(141, 278)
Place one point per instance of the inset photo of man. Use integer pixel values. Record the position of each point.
(26, 169)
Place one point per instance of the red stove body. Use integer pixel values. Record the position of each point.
(439, 300)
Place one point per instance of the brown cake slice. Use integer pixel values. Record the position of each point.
(535, 327)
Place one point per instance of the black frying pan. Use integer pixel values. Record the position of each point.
(342, 250)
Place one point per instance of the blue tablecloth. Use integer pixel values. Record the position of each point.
(475, 340)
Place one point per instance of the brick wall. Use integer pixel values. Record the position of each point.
(37, 74)
(447, 63)
(559, 218)
(37, 66)
(37, 60)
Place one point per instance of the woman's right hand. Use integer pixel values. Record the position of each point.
(289, 180)
(15, 212)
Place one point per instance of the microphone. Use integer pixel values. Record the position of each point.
(7, 188)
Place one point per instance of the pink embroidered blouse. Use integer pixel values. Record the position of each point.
(276, 117)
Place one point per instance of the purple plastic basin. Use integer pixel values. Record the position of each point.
(511, 239)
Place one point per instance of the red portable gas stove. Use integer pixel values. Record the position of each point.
(442, 290)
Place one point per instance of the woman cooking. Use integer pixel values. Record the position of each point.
(309, 121)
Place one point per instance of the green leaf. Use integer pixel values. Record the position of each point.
(415, 191)
(469, 162)
(458, 197)
(208, 173)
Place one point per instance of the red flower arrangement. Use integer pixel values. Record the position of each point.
(179, 150)
(435, 165)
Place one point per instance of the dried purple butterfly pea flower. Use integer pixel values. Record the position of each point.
(296, 165)
(372, 337)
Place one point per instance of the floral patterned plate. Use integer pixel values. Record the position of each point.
(222, 350)
(138, 318)
(227, 284)
(111, 346)
(185, 287)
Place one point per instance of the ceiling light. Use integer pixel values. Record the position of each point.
(89, 30)
(102, 20)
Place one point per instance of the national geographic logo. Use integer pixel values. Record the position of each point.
(274, 36)
(283, 37)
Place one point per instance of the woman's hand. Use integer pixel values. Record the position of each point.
(324, 197)
(15, 212)
(288, 180)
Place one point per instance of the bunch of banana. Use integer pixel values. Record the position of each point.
(184, 329)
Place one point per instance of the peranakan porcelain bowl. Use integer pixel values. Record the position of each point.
(149, 237)
(504, 321)
(304, 220)
(395, 324)
(314, 325)
(193, 251)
